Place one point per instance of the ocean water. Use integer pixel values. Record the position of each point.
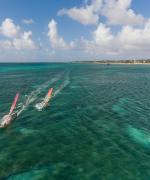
(96, 127)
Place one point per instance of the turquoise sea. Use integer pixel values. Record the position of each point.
(96, 127)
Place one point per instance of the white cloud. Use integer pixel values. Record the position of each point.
(87, 15)
(129, 40)
(118, 12)
(24, 42)
(135, 38)
(55, 39)
(18, 39)
(27, 21)
(6, 44)
(102, 43)
(9, 29)
(102, 35)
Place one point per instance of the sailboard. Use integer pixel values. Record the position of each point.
(46, 100)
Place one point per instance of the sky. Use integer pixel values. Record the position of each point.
(72, 30)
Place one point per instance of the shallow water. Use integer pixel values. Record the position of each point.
(97, 125)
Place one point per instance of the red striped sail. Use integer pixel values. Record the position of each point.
(14, 103)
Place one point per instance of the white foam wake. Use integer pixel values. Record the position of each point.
(62, 86)
(34, 94)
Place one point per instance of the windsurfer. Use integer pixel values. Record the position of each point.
(44, 103)
(12, 115)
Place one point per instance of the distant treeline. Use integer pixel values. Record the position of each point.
(144, 61)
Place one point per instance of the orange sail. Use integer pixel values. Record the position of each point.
(48, 96)
(49, 92)
(14, 103)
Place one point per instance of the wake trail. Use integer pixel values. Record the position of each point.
(62, 86)
(34, 94)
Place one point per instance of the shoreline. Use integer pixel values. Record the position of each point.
(126, 62)
(85, 62)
